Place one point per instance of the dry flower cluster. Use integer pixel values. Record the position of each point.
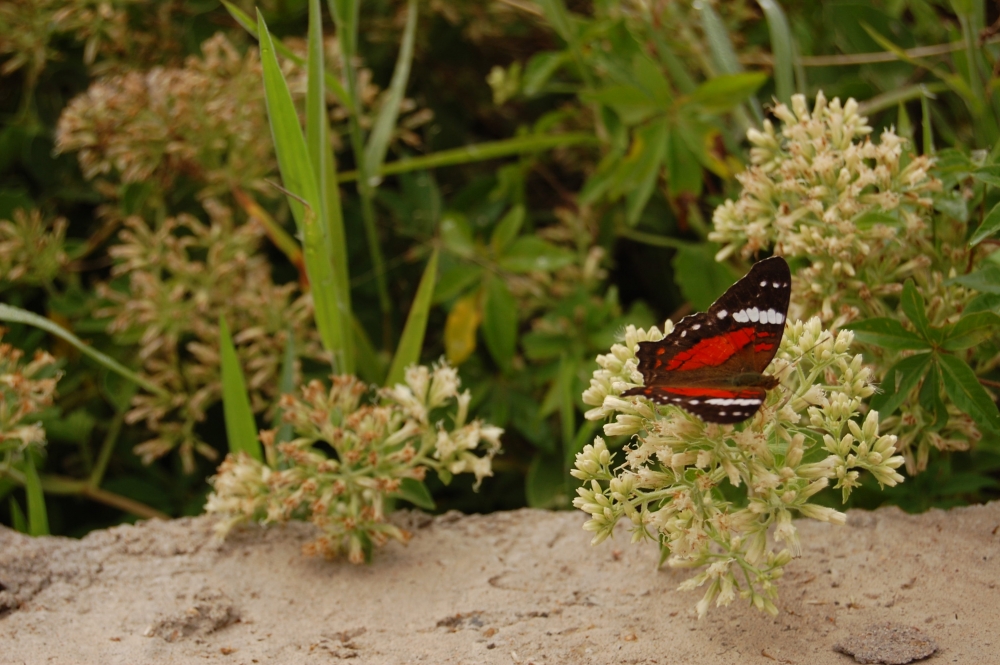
(175, 281)
(377, 449)
(861, 215)
(32, 250)
(26, 389)
(809, 433)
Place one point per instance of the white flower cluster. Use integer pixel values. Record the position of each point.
(414, 426)
(806, 435)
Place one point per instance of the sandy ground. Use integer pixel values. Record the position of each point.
(520, 587)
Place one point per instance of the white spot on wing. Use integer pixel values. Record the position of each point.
(771, 318)
(684, 333)
(694, 402)
(753, 314)
(741, 316)
(696, 326)
(722, 314)
(764, 283)
(779, 317)
(725, 401)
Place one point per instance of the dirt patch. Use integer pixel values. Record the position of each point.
(520, 587)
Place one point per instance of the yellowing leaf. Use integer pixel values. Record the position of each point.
(460, 329)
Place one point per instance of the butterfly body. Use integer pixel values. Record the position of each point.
(712, 363)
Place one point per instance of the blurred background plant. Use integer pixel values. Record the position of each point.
(563, 159)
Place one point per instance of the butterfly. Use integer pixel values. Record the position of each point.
(712, 363)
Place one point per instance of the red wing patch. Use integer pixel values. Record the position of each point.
(712, 363)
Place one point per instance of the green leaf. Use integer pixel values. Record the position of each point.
(385, 121)
(559, 17)
(531, 253)
(335, 308)
(305, 200)
(968, 394)
(899, 381)
(248, 24)
(38, 517)
(540, 69)
(984, 280)
(412, 340)
(286, 386)
(782, 49)
(456, 280)
(18, 315)
(726, 92)
(416, 493)
(632, 104)
(456, 234)
(684, 172)
(460, 329)
(989, 227)
(913, 306)
(545, 484)
(647, 158)
(479, 152)
(870, 218)
(984, 302)
(719, 44)
(700, 277)
(989, 174)
(500, 323)
(931, 401)
(887, 333)
(507, 229)
(18, 521)
(241, 429)
(972, 329)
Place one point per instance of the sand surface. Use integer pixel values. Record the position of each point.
(519, 587)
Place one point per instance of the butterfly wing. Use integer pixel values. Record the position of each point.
(712, 363)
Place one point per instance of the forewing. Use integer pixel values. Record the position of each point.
(740, 332)
(752, 312)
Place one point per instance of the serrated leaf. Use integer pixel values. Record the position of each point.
(416, 493)
(531, 253)
(887, 333)
(972, 329)
(913, 306)
(500, 323)
(931, 401)
(964, 389)
(241, 429)
(989, 227)
(460, 329)
(899, 381)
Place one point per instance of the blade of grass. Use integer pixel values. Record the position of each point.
(781, 47)
(345, 17)
(247, 23)
(724, 55)
(385, 121)
(329, 215)
(18, 315)
(38, 517)
(18, 521)
(241, 430)
(480, 152)
(412, 339)
(300, 180)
